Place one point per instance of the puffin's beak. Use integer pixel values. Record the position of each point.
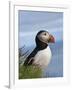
(51, 39)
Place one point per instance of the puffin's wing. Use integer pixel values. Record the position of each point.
(29, 61)
(30, 58)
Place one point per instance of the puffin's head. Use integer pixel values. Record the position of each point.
(44, 37)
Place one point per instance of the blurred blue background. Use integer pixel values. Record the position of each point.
(30, 23)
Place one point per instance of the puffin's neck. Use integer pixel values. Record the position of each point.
(41, 46)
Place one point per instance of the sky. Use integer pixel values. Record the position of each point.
(31, 22)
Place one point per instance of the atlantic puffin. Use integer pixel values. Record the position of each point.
(41, 55)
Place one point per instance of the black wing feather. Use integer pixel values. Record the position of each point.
(30, 58)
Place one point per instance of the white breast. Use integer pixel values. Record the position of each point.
(43, 57)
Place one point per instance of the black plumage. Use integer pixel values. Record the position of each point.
(39, 46)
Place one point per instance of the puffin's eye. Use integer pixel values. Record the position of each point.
(44, 33)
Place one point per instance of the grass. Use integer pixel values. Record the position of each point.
(28, 72)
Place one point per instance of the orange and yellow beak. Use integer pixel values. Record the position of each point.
(51, 39)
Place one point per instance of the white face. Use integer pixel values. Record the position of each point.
(44, 37)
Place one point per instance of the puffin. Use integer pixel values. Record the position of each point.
(41, 55)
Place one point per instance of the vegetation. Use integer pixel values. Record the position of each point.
(26, 72)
